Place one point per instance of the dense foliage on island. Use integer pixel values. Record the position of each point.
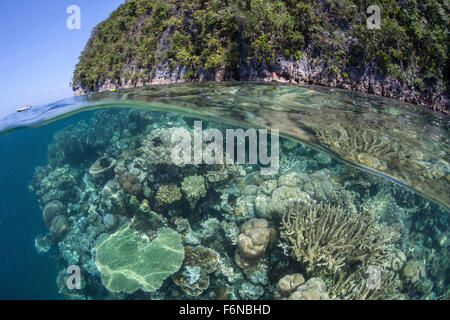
(245, 40)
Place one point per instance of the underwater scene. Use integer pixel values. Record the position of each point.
(236, 191)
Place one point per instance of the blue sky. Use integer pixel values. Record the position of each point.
(38, 52)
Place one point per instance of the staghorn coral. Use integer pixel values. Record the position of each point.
(353, 286)
(129, 261)
(193, 276)
(325, 236)
(168, 194)
(288, 164)
(361, 146)
(383, 154)
(252, 243)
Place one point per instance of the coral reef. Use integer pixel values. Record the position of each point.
(131, 220)
(59, 184)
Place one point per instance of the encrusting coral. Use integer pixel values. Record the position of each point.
(193, 276)
(325, 236)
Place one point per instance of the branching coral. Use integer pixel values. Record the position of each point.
(168, 194)
(354, 286)
(362, 146)
(327, 237)
(194, 188)
(389, 155)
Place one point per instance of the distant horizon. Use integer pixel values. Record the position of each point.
(41, 53)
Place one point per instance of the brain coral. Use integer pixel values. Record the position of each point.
(129, 261)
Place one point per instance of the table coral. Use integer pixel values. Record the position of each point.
(128, 261)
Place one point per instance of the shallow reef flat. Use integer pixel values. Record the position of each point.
(318, 228)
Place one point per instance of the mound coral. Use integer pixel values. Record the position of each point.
(412, 272)
(252, 243)
(325, 236)
(59, 226)
(129, 261)
(288, 284)
(130, 184)
(313, 289)
(52, 209)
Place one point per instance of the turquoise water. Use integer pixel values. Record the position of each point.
(376, 162)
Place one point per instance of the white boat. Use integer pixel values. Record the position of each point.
(24, 108)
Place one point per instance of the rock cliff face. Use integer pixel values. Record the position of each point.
(145, 42)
